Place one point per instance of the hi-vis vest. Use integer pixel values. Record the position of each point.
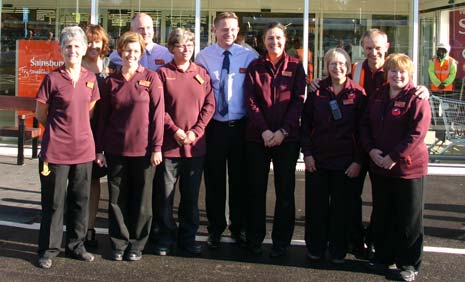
(358, 74)
(442, 73)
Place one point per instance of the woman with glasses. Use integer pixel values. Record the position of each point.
(189, 106)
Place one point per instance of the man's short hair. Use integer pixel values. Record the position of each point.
(224, 15)
(372, 32)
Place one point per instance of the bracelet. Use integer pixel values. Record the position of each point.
(284, 132)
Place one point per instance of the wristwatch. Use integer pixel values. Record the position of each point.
(284, 132)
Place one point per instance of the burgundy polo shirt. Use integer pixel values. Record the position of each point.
(334, 144)
(68, 138)
(131, 114)
(189, 105)
(398, 127)
(274, 97)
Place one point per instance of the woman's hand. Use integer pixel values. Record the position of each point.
(156, 158)
(314, 85)
(376, 156)
(180, 136)
(267, 137)
(422, 92)
(100, 160)
(353, 170)
(278, 138)
(310, 165)
(190, 137)
(387, 163)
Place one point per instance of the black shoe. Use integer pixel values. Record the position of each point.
(313, 257)
(45, 263)
(117, 255)
(213, 241)
(84, 256)
(134, 256)
(90, 241)
(255, 249)
(193, 248)
(161, 251)
(277, 252)
(239, 238)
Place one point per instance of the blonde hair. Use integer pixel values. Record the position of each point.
(130, 37)
(331, 53)
(224, 15)
(398, 61)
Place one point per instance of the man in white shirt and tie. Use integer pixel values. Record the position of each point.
(225, 133)
(155, 55)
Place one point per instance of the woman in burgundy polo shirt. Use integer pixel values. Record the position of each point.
(64, 101)
(95, 60)
(393, 131)
(189, 106)
(129, 139)
(274, 90)
(332, 156)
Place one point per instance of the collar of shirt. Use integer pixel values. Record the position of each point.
(192, 67)
(149, 47)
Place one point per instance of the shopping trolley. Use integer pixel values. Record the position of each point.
(448, 117)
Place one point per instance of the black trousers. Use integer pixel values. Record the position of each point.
(398, 220)
(130, 208)
(64, 185)
(284, 158)
(327, 197)
(225, 149)
(188, 172)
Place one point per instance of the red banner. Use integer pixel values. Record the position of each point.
(457, 40)
(35, 59)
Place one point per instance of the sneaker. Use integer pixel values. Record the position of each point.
(134, 256)
(239, 238)
(338, 261)
(213, 241)
(192, 248)
(84, 256)
(277, 252)
(45, 263)
(313, 257)
(161, 251)
(408, 275)
(117, 255)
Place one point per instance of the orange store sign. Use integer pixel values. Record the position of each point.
(35, 59)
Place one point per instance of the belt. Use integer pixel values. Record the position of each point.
(231, 123)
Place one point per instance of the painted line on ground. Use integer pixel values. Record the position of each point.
(200, 238)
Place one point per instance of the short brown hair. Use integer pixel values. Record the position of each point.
(130, 37)
(372, 32)
(179, 35)
(274, 25)
(224, 15)
(398, 61)
(98, 33)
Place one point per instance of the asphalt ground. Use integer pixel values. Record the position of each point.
(444, 256)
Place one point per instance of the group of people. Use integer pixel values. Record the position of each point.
(158, 120)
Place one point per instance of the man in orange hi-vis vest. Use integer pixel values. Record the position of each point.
(442, 69)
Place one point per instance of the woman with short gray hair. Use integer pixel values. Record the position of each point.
(64, 101)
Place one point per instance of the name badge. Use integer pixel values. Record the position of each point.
(243, 70)
(144, 83)
(90, 84)
(399, 104)
(287, 73)
(348, 101)
(159, 61)
(199, 79)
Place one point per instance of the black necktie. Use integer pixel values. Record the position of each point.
(224, 76)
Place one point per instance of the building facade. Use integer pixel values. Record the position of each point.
(414, 27)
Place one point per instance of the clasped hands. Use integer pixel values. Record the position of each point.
(184, 138)
(385, 162)
(272, 139)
